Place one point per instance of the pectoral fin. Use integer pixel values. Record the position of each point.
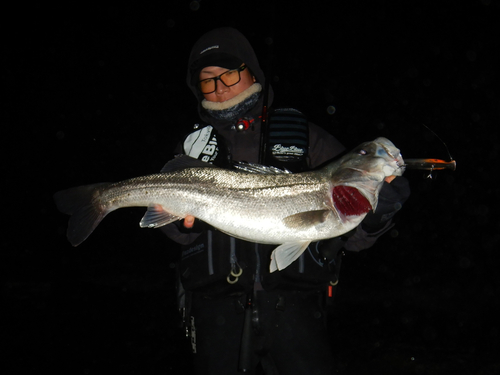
(156, 217)
(304, 220)
(286, 253)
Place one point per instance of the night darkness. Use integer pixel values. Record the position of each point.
(98, 94)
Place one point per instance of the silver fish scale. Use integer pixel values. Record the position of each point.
(230, 200)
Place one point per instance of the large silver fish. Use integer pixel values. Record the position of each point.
(257, 204)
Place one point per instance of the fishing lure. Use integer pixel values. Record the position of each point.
(431, 164)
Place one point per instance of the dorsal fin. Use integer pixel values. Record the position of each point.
(258, 168)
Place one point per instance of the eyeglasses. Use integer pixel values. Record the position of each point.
(229, 78)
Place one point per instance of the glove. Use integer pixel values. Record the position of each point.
(328, 249)
(390, 200)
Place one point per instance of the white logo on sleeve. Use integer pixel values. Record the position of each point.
(202, 145)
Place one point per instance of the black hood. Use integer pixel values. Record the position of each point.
(229, 46)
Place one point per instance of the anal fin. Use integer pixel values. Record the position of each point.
(156, 217)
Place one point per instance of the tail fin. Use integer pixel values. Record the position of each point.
(86, 212)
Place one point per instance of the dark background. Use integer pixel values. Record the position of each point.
(97, 93)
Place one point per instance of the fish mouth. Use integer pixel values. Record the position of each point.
(398, 159)
(388, 151)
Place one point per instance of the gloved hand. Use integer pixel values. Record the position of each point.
(328, 249)
(391, 198)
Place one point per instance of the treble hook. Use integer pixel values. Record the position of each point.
(430, 172)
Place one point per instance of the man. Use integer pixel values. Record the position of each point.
(241, 316)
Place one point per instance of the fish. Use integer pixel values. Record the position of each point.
(252, 202)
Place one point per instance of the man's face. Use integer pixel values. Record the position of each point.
(222, 92)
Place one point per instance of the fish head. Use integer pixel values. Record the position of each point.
(379, 158)
(364, 170)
